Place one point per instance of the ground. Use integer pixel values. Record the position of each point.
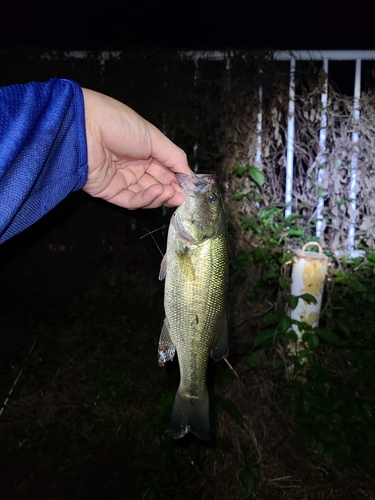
(88, 415)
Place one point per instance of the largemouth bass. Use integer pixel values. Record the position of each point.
(195, 268)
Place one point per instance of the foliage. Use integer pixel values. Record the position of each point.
(248, 474)
(335, 403)
(330, 386)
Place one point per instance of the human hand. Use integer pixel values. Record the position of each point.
(131, 163)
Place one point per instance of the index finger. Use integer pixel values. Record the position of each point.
(167, 153)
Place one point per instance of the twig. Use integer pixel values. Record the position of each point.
(280, 478)
(149, 233)
(231, 367)
(14, 384)
(42, 426)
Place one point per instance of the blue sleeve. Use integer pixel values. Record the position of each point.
(43, 151)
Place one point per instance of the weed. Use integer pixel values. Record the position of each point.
(332, 391)
(88, 417)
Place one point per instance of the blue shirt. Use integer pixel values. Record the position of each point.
(43, 150)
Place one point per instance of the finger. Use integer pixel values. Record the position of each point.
(167, 153)
(157, 173)
(152, 197)
(175, 201)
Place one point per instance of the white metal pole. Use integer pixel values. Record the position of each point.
(290, 140)
(353, 162)
(322, 147)
(258, 157)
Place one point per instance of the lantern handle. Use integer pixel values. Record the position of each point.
(310, 243)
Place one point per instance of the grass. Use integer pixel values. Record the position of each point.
(89, 414)
(88, 417)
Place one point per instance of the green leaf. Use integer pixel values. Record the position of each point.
(267, 337)
(254, 360)
(283, 282)
(320, 448)
(271, 319)
(338, 163)
(321, 192)
(243, 348)
(292, 217)
(272, 273)
(313, 340)
(329, 337)
(230, 408)
(249, 477)
(238, 194)
(307, 297)
(239, 169)
(294, 232)
(344, 327)
(259, 254)
(266, 214)
(292, 301)
(285, 323)
(246, 223)
(340, 202)
(256, 175)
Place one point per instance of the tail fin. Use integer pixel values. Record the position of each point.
(190, 414)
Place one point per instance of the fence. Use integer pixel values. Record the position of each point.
(324, 56)
(359, 210)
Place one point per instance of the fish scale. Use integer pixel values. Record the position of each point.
(195, 268)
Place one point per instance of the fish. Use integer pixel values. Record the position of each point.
(195, 269)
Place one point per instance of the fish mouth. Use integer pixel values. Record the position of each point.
(192, 184)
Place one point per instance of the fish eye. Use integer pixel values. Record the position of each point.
(212, 198)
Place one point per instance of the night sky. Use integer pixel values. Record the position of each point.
(115, 24)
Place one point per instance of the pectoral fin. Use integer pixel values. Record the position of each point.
(220, 348)
(163, 268)
(186, 264)
(166, 349)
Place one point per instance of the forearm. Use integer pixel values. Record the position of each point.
(43, 151)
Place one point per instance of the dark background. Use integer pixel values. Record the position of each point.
(204, 25)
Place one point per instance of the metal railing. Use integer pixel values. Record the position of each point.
(309, 55)
(325, 56)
